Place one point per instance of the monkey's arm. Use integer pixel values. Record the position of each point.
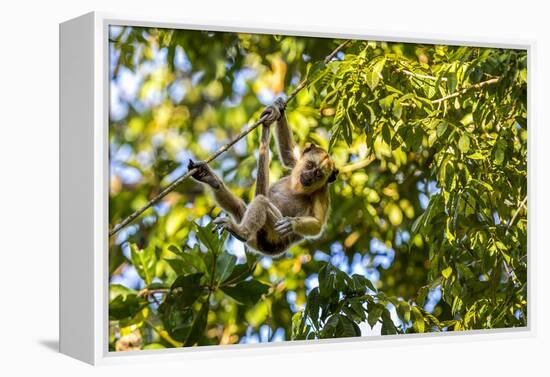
(285, 142)
(308, 226)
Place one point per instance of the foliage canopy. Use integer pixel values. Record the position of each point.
(429, 219)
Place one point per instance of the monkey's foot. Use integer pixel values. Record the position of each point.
(222, 224)
(280, 103)
(204, 174)
(273, 112)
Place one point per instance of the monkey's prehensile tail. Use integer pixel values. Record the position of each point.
(220, 151)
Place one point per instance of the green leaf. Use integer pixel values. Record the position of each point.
(360, 282)
(386, 134)
(372, 79)
(329, 330)
(464, 143)
(299, 329)
(209, 239)
(240, 273)
(340, 326)
(430, 90)
(119, 290)
(386, 102)
(418, 320)
(500, 152)
(185, 290)
(347, 328)
(335, 135)
(342, 280)
(476, 156)
(145, 262)
(358, 310)
(124, 307)
(448, 231)
(178, 266)
(397, 109)
(177, 321)
(379, 66)
(417, 138)
(248, 292)
(199, 325)
(441, 128)
(374, 311)
(421, 297)
(451, 82)
(404, 311)
(194, 262)
(315, 73)
(313, 306)
(417, 224)
(388, 327)
(224, 266)
(447, 272)
(327, 280)
(465, 271)
(187, 261)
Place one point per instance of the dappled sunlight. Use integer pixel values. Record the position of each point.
(427, 230)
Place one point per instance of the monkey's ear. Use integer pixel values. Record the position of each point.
(332, 176)
(307, 148)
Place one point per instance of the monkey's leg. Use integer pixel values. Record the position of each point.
(262, 179)
(260, 212)
(228, 201)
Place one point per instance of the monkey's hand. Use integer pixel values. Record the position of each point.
(285, 226)
(204, 174)
(274, 112)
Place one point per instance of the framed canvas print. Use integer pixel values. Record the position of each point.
(224, 187)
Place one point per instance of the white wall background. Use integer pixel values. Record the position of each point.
(29, 184)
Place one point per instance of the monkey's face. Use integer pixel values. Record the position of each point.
(315, 169)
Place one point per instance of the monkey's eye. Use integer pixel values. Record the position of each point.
(310, 165)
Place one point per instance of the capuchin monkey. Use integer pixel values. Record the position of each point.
(293, 208)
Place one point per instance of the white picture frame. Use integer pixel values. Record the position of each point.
(84, 93)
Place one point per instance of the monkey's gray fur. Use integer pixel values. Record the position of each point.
(293, 208)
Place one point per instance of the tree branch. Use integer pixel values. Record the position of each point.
(303, 83)
(163, 334)
(509, 269)
(521, 205)
(171, 187)
(420, 76)
(146, 292)
(466, 89)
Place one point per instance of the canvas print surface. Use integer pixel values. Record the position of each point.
(269, 188)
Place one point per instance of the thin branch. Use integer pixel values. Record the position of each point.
(303, 83)
(509, 269)
(171, 187)
(421, 76)
(163, 334)
(145, 292)
(466, 89)
(521, 205)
